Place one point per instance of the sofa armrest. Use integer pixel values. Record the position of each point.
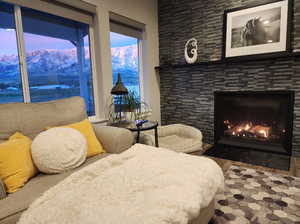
(113, 139)
(2, 190)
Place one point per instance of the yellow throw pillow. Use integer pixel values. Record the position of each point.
(86, 129)
(16, 166)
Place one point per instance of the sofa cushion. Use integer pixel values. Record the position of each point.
(32, 118)
(58, 150)
(16, 166)
(86, 129)
(20, 201)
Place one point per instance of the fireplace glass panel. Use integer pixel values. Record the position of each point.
(260, 118)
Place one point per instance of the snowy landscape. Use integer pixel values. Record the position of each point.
(53, 74)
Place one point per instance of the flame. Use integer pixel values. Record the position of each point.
(264, 133)
(247, 127)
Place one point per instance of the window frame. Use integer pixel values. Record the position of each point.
(60, 8)
(95, 77)
(141, 67)
(23, 61)
(135, 30)
(22, 54)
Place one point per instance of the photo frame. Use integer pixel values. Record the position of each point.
(257, 31)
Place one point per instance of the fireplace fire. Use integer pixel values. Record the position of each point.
(251, 130)
(255, 120)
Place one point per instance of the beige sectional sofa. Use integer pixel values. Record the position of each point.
(31, 119)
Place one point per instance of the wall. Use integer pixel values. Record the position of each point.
(187, 93)
(143, 11)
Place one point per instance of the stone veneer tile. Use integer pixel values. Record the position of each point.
(187, 93)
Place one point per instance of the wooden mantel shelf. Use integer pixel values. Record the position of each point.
(232, 60)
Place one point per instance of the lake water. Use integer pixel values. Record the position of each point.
(51, 87)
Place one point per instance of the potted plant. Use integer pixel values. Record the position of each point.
(133, 109)
(131, 102)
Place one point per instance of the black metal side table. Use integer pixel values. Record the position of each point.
(145, 127)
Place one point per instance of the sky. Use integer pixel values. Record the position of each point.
(8, 42)
(119, 40)
(36, 42)
(33, 42)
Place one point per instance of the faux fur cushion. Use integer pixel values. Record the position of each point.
(58, 150)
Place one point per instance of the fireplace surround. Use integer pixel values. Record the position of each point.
(257, 120)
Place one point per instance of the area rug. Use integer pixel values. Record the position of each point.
(258, 197)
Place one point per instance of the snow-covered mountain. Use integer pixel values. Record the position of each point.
(40, 62)
(64, 62)
(125, 57)
(125, 61)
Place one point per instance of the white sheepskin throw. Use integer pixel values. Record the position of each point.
(58, 150)
(142, 185)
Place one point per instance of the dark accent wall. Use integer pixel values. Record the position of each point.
(187, 92)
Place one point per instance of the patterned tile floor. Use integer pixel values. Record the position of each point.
(258, 197)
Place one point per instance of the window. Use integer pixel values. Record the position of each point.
(57, 58)
(125, 58)
(10, 77)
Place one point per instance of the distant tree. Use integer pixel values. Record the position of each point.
(3, 86)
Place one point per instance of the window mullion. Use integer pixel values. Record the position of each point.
(22, 54)
(94, 73)
(141, 71)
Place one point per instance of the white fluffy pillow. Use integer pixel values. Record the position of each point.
(58, 150)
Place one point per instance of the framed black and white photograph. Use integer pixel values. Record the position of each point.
(258, 30)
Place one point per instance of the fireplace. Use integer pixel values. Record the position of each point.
(260, 120)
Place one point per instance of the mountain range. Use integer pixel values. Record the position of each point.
(64, 63)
